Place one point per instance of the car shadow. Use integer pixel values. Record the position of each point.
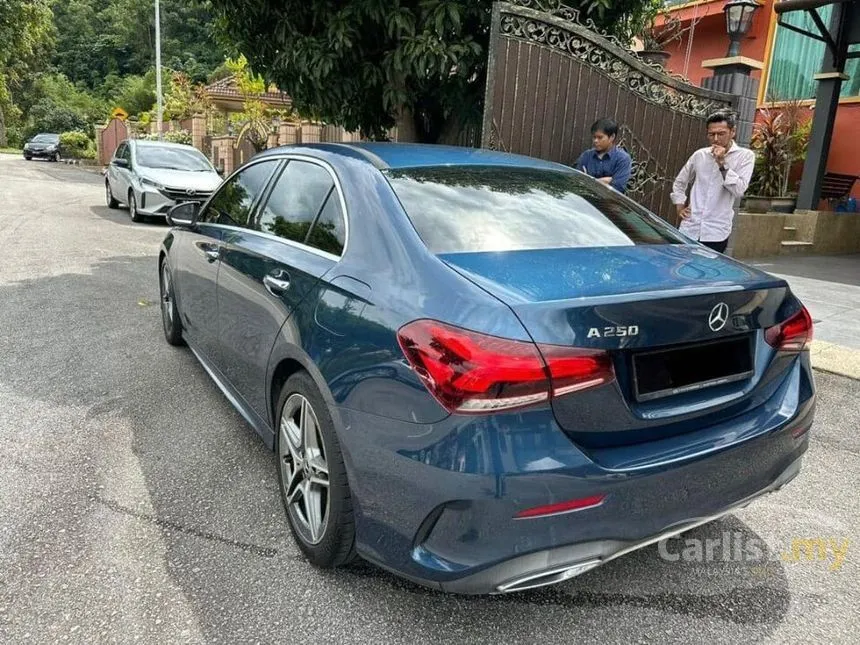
(169, 458)
(120, 216)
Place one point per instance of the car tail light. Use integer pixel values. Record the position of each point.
(792, 335)
(473, 373)
(561, 507)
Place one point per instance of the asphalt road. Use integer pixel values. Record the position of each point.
(137, 507)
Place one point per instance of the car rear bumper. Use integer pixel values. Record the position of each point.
(555, 565)
(437, 503)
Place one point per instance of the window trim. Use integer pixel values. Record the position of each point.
(256, 202)
(266, 193)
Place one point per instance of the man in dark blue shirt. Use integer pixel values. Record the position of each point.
(605, 161)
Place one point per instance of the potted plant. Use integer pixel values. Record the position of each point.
(655, 37)
(780, 140)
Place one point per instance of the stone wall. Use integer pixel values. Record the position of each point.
(759, 235)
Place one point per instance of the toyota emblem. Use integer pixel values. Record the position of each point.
(719, 316)
(191, 192)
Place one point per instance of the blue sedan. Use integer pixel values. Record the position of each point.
(480, 371)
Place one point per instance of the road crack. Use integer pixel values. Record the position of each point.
(175, 526)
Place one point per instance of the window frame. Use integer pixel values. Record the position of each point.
(267, 191)
(255, 202)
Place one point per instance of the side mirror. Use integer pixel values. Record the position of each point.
(183, 214)
(120, 163)
(220, 171)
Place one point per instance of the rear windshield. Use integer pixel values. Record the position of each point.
(476, 208)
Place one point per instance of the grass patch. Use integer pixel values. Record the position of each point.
(11, 151)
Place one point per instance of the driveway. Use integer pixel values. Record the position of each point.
(136, 506)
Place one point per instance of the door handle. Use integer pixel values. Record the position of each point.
(277, 284)
(211, 251)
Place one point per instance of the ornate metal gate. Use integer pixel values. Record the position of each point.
(551, 76)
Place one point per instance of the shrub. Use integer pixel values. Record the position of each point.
(75, 144)
(47, 116)
(173, 136)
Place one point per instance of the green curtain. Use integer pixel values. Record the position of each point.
(797, 58)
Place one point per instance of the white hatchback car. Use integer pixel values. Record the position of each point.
(152, 176)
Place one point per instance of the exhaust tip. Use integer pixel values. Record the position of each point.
(548, 577)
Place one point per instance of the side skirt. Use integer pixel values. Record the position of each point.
(260, 426)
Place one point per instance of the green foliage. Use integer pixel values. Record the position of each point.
(780, 139)
(97, 38)
(134, 94)
(361, 63)
(183, 99)
(77, 145)
(26, 32)
(172, 136)
(47, 116)
(254, 123)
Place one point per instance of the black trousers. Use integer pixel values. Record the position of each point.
(719, 247)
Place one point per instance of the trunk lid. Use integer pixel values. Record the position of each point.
(681, 322)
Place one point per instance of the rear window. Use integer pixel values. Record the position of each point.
(477, 208)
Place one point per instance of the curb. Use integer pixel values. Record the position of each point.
(835, 359)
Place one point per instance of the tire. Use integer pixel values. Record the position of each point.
(169, 311)
(111, 202)
(28, 158)
(56, 157)
(332, 542)
(132, 208)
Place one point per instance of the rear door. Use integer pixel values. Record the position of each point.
(271, 264)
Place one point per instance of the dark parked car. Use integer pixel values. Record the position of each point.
(43, 146)
(481, 371)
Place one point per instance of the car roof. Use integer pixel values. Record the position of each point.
(160, 144)
(417, 155)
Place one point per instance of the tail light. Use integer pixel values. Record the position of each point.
(473, 373)
(793, 334)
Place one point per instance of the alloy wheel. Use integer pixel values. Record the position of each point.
(304, 470)
(166, 297)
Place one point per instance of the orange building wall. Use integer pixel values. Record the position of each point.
(710, 41)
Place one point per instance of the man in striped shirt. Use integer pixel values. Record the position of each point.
(720, 173)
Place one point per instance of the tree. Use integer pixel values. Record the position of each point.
(96, 38)
(255, 120)
(25, 31)
(365, 63)
(183, 98)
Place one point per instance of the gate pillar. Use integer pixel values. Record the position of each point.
(732, 76)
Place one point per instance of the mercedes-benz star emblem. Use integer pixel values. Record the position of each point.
(719, 316)
(191, 192)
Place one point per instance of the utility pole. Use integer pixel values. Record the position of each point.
(158, 68)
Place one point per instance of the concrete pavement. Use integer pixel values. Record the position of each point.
(136, 506)
(829, 286)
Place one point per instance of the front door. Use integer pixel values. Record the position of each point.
(200, 254)
(291, 240)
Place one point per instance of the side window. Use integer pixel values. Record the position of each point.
(329, 233)
(120, 151)
(295, 201)
(232, 203)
